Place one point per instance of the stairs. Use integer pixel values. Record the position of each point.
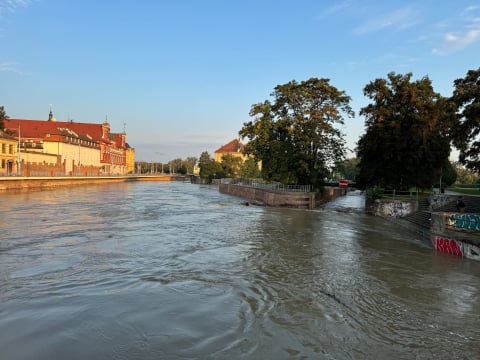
(421, 218)
(472, 205)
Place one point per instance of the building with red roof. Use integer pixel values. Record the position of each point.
(234, 148)
(78, 148)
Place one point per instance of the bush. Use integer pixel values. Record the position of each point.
(375, 192)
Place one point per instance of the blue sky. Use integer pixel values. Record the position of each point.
(181, 75)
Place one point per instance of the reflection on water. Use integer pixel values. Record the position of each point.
(175, 271)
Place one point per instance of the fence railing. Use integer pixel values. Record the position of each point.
(260, 184)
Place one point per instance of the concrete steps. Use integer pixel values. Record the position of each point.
(472, 205)
(421, 218)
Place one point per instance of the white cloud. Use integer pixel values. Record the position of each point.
(399, 19)
(10, 67)
(10, 6)
(338, 7)
(7, 67)
(453, 41)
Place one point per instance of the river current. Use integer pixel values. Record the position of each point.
(152, 270)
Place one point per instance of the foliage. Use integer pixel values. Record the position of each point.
(466, 137)
(464, 175)
(3, 117)
(209, 169)
(296, 137)
(249, 169)
(348, 168)
(176, 166)
(231, 165)
(375, 192)
(406, 142)
(449, 174)
(189, 164)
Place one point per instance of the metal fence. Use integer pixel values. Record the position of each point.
(260, 184)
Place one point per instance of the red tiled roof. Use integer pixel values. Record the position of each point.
(37, 129)
(232, 147)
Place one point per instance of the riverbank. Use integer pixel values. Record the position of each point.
(25, 183)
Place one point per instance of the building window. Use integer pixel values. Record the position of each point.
(10, 149)
(4, 148)
(3, 163)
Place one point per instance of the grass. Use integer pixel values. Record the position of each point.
(465, 190)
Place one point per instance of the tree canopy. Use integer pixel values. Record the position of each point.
(3, 117)
(406, 142)
(466, 136)
(231, 165)
(209, 169)
(296, 136)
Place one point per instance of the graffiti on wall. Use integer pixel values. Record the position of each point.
(464, 221)
(455, 247)
(449, 246)
(438, 200)
(395, 209)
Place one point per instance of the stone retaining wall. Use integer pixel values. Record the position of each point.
(280, 199)
(25, 183)
(452, 235)
(270, 198)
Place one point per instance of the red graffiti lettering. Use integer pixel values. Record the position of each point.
(448, 246)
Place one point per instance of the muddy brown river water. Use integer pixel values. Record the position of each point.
(180, 271)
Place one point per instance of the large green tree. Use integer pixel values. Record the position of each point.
(250, 169)
(467, 131)
(406, 142)
(296, 137)
(231, 165)
(209, 169)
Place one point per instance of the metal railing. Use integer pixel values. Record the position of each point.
(260, 184)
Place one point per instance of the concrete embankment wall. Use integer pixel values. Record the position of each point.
(280, 199)
(456, 234)
(25, 183)
(270, 198)
(393, 208)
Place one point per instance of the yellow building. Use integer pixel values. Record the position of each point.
(71, 148)
(130, 159)
(8, 154)
(234, 148)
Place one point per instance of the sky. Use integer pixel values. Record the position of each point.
(180, 76)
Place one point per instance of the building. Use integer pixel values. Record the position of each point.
(234, 148)
(8, 154)
(51, 147)
(130, 159)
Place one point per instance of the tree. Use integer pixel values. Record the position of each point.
(231, 165)
(466, 136)
(189, 164)
(296, 136)
(406, 142)
(249, 169)
(348, 168)
(464, 175)
(449, 174)
(209, 169)
(3, 117)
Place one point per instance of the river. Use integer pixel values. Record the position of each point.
(153, 270)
